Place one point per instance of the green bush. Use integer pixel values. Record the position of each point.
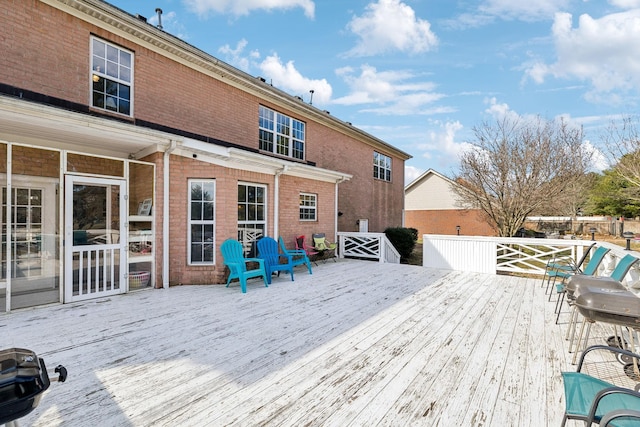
(414, 233)
(403, 239)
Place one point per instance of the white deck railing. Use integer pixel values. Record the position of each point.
(367, 245)
(513, 255)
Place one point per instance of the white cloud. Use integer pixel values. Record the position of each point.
(500, 111)
(439, 144)
(625, 4)
(468, 20)
(234, 56)
(601, 51)
(390, 25)
(599, 161)
(411, 173)
(523, 10)
(528, 10)
(244, 7)
(287, 78)
(171, 24)
(443, 140)
(396, 92)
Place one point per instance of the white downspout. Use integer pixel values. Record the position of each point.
(276, 201)
(335, 213)
(165, 215)
(335, 210)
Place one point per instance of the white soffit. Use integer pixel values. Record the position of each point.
(31, 123)
(236, 158)
(39, 125)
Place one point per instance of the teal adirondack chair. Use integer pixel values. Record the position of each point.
(273, 259)
(299, 256)
(233, 255)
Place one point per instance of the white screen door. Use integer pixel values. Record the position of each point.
(95, 257)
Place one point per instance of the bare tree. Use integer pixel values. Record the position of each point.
(623, 145)
(520, 166)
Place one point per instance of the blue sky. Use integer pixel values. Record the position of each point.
(420, 74)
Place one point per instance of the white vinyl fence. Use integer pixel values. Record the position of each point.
(495, 255)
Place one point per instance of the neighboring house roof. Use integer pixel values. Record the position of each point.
(136, 29)
(431, 191)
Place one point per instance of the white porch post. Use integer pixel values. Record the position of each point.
(165, 215)
(276, 201)
(9, 226)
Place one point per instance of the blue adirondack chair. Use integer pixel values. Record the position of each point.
(273, 259)
(233, 255)
(299, 256)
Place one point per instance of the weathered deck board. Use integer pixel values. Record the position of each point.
(355, 344)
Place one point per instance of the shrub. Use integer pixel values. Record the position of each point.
(403, 239)
(414, 233)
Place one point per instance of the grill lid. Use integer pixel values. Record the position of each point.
(23, 379)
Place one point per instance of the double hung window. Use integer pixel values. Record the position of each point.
(252, 214)
(201, 221)
(308, 207)
(281, 134)
(381, 167)
(111, 77)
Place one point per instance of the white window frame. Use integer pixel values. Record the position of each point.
(381, 167)
(287, 135)
(308, 206)
(248, 235)
(202, 222)
(124, 75)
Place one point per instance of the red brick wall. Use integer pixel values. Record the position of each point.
(226, 202)
(290, 225)
(445, 221)
(47, 51)
(32, 161)
(362, 197)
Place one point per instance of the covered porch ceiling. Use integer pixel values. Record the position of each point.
(39, 125)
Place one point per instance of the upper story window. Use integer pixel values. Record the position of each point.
(111, 77)
(381, 166)
(281, 134)
(308, 207)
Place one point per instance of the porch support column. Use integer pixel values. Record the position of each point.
(9, 270)
(276, 202)
(165, 215)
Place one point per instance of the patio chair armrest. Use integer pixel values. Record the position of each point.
(617, 414)
(607, 348)
(296, 252)
(288, 256)
(258, 260)
(620, 393)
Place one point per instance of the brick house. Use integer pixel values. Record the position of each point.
(432, 207)
(130, 156)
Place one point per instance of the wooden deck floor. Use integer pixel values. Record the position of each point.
(355, 344)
